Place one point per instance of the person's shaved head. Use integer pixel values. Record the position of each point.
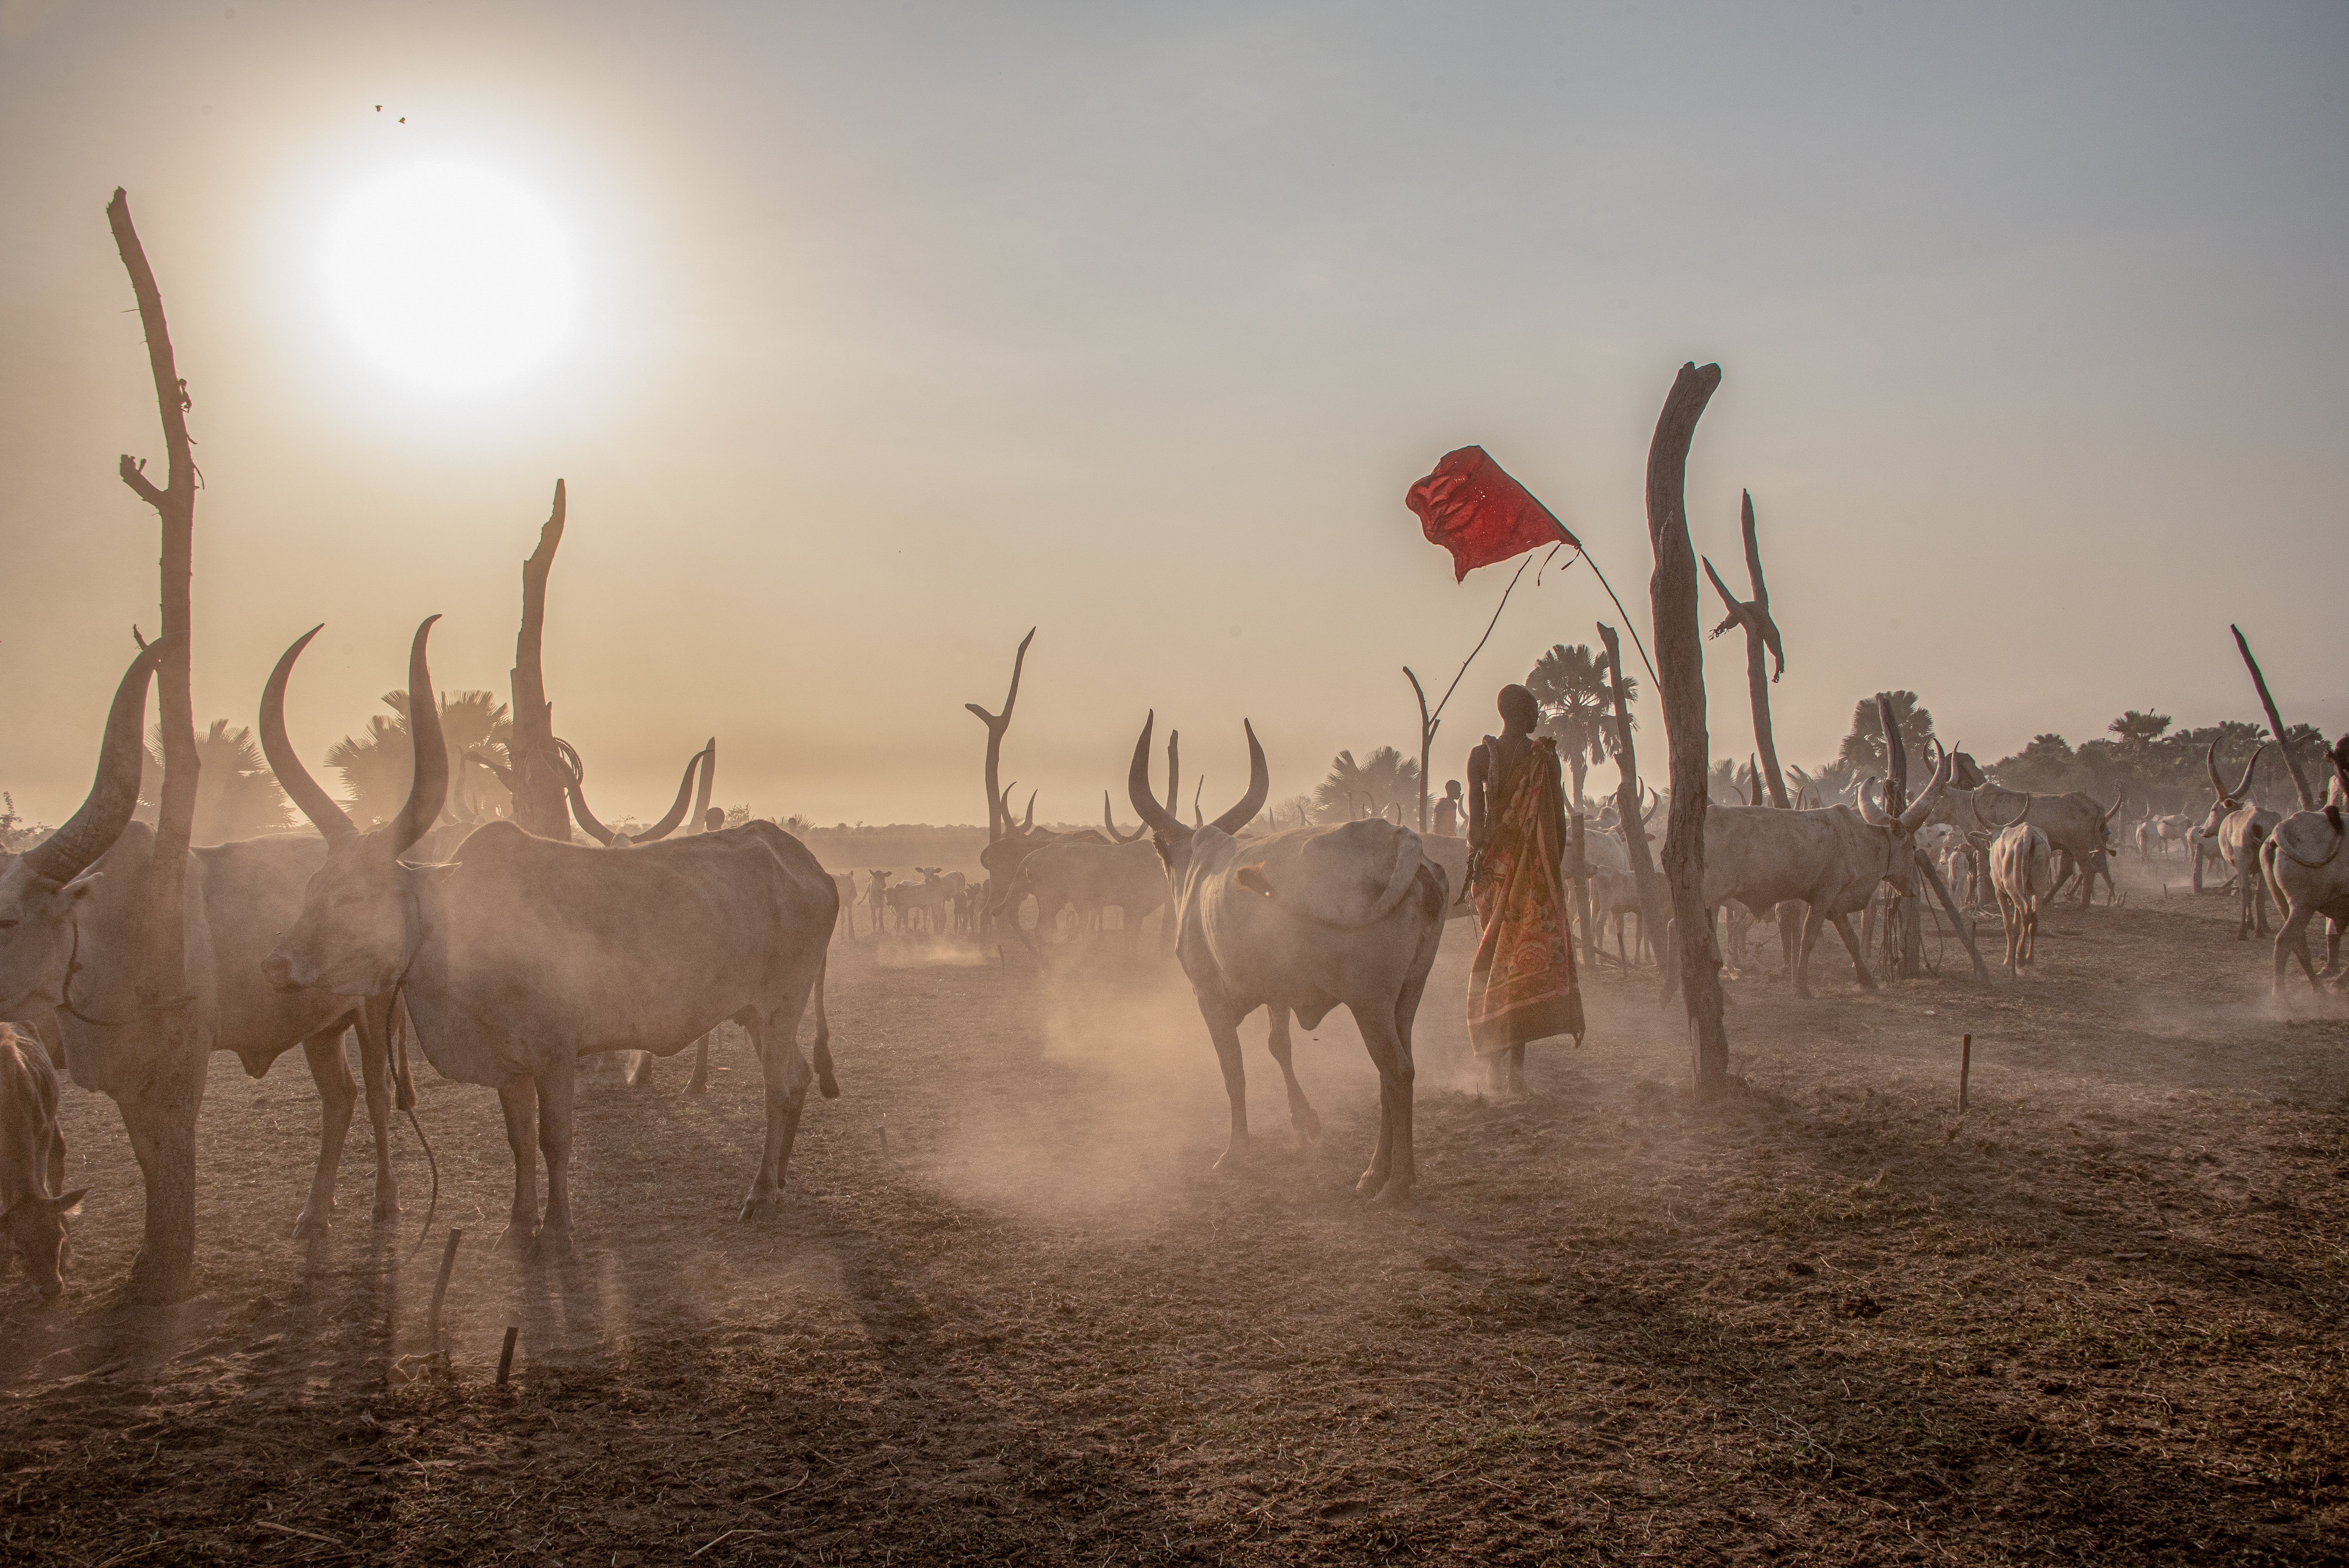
(1518, 709)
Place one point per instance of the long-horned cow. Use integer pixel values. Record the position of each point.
(637, 1066)
(2238, 826)
(2309, 875)
(1302, 922)
(1126, 876)
(1831, 860)
(33, 1204)
(524, 954)
(73, 938)
(2023, 875)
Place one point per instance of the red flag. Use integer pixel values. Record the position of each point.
(1474, 508)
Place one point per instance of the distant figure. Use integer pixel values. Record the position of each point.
(1448, 810)
(713, 819)
(1521, 986)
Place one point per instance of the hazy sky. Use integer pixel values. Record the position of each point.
(903, 328)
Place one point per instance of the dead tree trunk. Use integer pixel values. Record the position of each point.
(1679, 672)
(540, 806)
(997, 816)
(1761, 637)
(1427, 729)
(160, 1104)
(1644, 880)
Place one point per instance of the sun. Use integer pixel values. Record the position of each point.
(450, 278)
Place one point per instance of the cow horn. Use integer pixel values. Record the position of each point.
(1754, 771)
(428, 787)
(293, 777)
(667, 825)
(708, 778)
(1998, 827)
(1174, 772)
(1871, 803)
(1914, 817)
(113, 796)
(2242, 791)
(573, 771)
(1107, 821)
(1028, 824)
(1259, 786)
(1197, 789)
(1006, 803)
(2210, 761)
(1137, 787)
(2118, 801)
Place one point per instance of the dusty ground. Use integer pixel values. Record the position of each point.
(2099, 1319)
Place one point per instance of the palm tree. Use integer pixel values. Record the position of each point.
(377, 765)
(2137, 731)
(1863, 749)
(1578, 707)
(236, 795)
(1386, 778)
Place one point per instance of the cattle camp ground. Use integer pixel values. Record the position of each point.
(1011, 1314)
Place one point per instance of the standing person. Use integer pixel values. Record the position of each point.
(1448, 810)
(1522, 986)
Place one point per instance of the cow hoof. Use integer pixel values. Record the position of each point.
(1372, 1182)
(1232, 1161)
(518, 1240)
(761, 1209)
(552, 1247)
(308, 1228)
(698, 1086)
(1395, 1196)
(1306, 1123)
(387, 1209)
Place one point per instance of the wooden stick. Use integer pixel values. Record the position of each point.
(1965, 1069)
(441, 1285)
(505, 1354)
(540, 806)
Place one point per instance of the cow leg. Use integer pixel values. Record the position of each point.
(1859, 955)
(1388, 1180)
(639, 1070)
(700, 1083)
(776, 1038)
(2292, 940)
(1813, 922)
(1223, 1029)
(2332, 947)
(1791, 918)
(1300, 1114)
(337, 1095)
(518, 1099)
(555, 1097)
(375, 1080)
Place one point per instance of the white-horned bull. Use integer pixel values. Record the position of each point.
(2238, 826)
(1301, 922)
(73, 938)
(1832, 859)
(524, 955)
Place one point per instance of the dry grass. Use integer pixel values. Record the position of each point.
(2099, 1318)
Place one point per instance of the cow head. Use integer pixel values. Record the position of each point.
(2229, 801)
(2108, 839)
(40, 888)
(1885, 804)
(37, 1227)
(354, 936)
(1167, 830)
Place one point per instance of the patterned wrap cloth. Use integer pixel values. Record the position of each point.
(1522, 986)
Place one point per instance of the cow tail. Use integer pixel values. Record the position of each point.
(822, 1051)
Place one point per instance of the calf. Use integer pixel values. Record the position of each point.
(2022, 874)
(33, 1161)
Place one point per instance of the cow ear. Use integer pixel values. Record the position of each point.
(82, 885)
(69, 1205)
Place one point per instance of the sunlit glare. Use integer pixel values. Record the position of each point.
(450, 278)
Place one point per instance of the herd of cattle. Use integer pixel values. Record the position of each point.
(509, 958)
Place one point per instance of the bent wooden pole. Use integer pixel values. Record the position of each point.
(159, 1101)
(1680, 673)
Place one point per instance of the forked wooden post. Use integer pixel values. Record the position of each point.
(162, 1119)
(539, 805)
